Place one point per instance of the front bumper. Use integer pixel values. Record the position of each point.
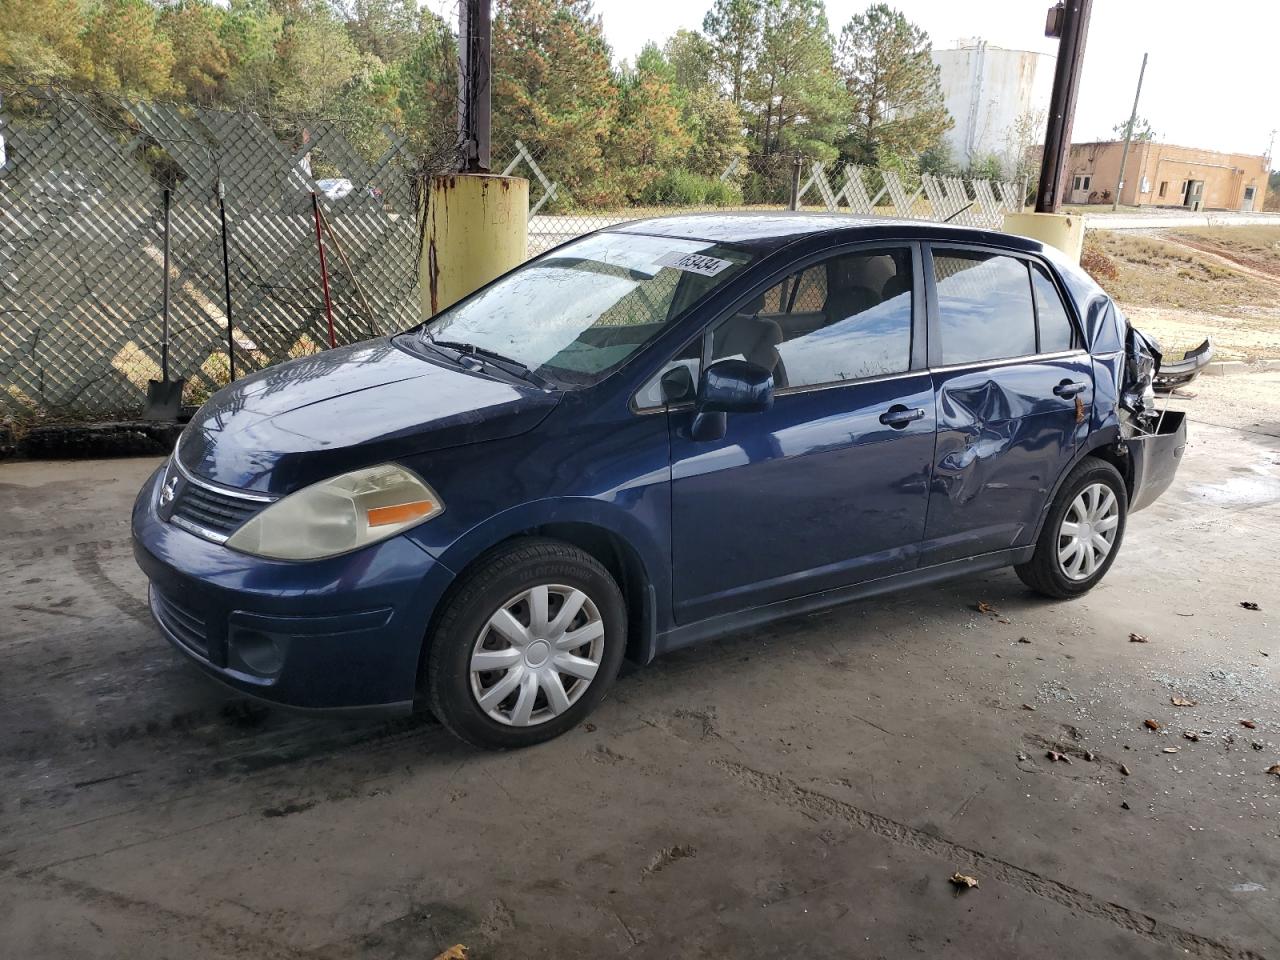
(342, 633)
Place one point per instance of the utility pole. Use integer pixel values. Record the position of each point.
(1068, 20)
(475, 34)
(1128, 135)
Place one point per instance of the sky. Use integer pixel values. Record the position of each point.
(1209, 81)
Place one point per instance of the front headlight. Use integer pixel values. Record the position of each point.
(338, 515)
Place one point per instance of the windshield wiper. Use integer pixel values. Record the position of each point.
(507, 364)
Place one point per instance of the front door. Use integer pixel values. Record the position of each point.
(830, 486)
(1014, 390)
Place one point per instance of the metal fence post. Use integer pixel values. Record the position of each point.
(794, 203)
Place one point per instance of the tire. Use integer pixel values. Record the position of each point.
(1047, 571)
(528, 698)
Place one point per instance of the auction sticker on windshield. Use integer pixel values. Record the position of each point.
(694, 263)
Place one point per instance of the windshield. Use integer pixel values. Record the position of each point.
(581, 311)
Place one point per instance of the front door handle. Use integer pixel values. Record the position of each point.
(1068, 389)
(899, 416)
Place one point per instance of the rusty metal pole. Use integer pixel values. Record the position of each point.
(475, 113)
(324, 270)
(1073, 25)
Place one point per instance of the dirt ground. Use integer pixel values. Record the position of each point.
(1187, 284)
(805, 790)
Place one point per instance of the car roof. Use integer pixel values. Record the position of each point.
(767, 231)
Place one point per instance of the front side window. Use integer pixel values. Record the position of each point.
(580, 312)
(844, 318)
(984, 306)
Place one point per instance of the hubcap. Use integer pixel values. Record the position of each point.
(537, 654)
(1088, 531)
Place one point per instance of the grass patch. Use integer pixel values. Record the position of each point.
(1257, 247)
(1148, 272)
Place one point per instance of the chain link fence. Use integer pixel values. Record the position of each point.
(81, 241)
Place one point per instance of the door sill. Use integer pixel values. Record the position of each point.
(688, 634)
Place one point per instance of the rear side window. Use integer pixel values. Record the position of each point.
(1056, 332)
(984, 306)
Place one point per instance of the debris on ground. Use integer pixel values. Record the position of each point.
(1138, 638)
(1172, 749)
(1191, 735)
(1257, 745)
(456, 952)
(1024, 640)
(963, 881)
(1027, 706)
(1248, 725)
(1274, 768)
(983, 607)
(1182, 702)
(1151, 724)
(1055, 756)
(1088, 755)
(1124, 770)
(1249, 605)
(1124, 805)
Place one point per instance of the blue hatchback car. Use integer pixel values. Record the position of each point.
(647, 437)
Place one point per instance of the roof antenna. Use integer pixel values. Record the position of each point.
(960, 211)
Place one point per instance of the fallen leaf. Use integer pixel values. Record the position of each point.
(456, 952)
(963, 880)
(1172, 749)
(1274, 768)
(1249, 605)
(1124, 770)
(1191, 735)
(1248, 725)
(1151, 724)
(983, 607)
(1027, 706)
(1180, 702)
(1056, 756)
(1138, 638)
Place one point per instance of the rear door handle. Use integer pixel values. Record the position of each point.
(1069, 389)
(899, 416)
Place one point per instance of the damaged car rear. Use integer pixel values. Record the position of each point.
(654, 435)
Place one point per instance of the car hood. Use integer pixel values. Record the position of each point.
(313, 418)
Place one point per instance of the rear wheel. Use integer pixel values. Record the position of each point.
(1081, 534)
(526, 645)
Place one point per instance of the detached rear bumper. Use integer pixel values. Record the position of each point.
(343, 633)
(1155, 458)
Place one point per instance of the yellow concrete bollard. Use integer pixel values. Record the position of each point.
(1062, 230)
(475, 227)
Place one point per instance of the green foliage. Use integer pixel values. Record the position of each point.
(985, 167)
(733, 29)
(682, 187)
(895, 98)
(128, 53)
(41, 41)
(792, 96)
(690, 56)
(1142, 130)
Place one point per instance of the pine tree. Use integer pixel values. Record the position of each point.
(201, 62)
(792, 95)
(732, 29)
(897, 111)
(129, 55)
(553, 89)
(40, 40)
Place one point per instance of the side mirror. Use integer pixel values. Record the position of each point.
(735, 386)
(677, 385)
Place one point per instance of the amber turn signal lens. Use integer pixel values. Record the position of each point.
(400, 513)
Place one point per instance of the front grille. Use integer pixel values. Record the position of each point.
(185, 624)
(212, 510)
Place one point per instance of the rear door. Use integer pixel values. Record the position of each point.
(1014, 391)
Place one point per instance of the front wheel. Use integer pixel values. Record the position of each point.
(526, 645)
(1081, 534)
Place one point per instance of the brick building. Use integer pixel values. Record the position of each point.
(1166, 175)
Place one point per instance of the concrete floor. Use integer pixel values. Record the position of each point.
(803, 790)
